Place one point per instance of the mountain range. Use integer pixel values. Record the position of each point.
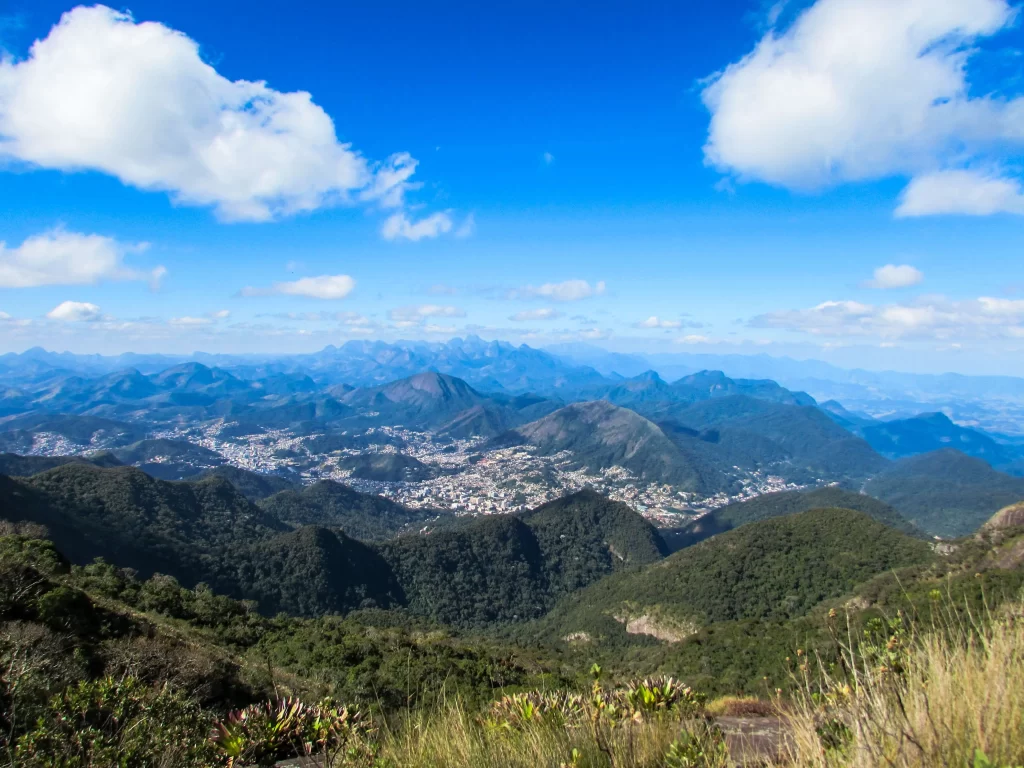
(700, 433)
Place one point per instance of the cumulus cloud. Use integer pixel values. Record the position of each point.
(929, 317)
(656, 322)
(895, 276)
(136, 101)
(570, 290)
(398, 226)
(69, 258)
(221, 314)
(970, 193)
(861, 90)
(535, 314)
(322, 287)
(75, 312)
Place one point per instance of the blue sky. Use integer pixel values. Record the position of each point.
(838, 180)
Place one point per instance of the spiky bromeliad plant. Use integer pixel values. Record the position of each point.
(265, 733)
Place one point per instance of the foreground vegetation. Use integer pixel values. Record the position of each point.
(98, 668)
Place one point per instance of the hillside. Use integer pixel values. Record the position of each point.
(168, 459)
(253, 485)
(15, 465)
(773, 569)
(502, 568)
(362, 516)
(771, 505)
(601, 435)
(932, 432)
(945, 493)
(812, 444)
(125, 516)
(386, 467)
(441, 403)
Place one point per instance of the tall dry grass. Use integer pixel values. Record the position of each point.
(951, 696)
(454, 738)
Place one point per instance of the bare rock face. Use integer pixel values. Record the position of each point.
(1007, 517)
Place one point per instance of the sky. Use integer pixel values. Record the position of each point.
(838, 180)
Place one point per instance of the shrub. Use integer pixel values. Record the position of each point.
(122, 723)
(265, 733)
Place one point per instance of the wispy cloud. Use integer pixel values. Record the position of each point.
(569, 290)
(323, 287)
(535, 314)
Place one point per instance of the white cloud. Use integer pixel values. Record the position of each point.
(136, 101)
(548, 158)
(535, 314)
(322, 287)
(693, 339)
(895, 276)
(69, 258)
(398, 226)
(391, 181)
(928, 317)
(467, 228)
(190, 322)
(858, 90)
(570, 290)
(970, 193)
(221, 314)
(75, 312)
(656, 322)
(353, 319)
(407, 317)
(442, 330)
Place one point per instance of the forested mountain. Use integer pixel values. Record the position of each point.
(497, 568)
(253, 485)
(17, 433)
(168, 459)
(812, 445)
(15, 465)
(771, 505)
(602, 435)
(333, 505)
(444, 404)
(501, 568)
(945, 492)
(777, 568)
(386, 467)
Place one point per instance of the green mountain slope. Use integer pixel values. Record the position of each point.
(772, 505)
(601, 435)
(253, 485)
(386, 467)
(15, 465)
(812, 443)
(502, 568)
(773, 569)
(362, 516)
(945, 493)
